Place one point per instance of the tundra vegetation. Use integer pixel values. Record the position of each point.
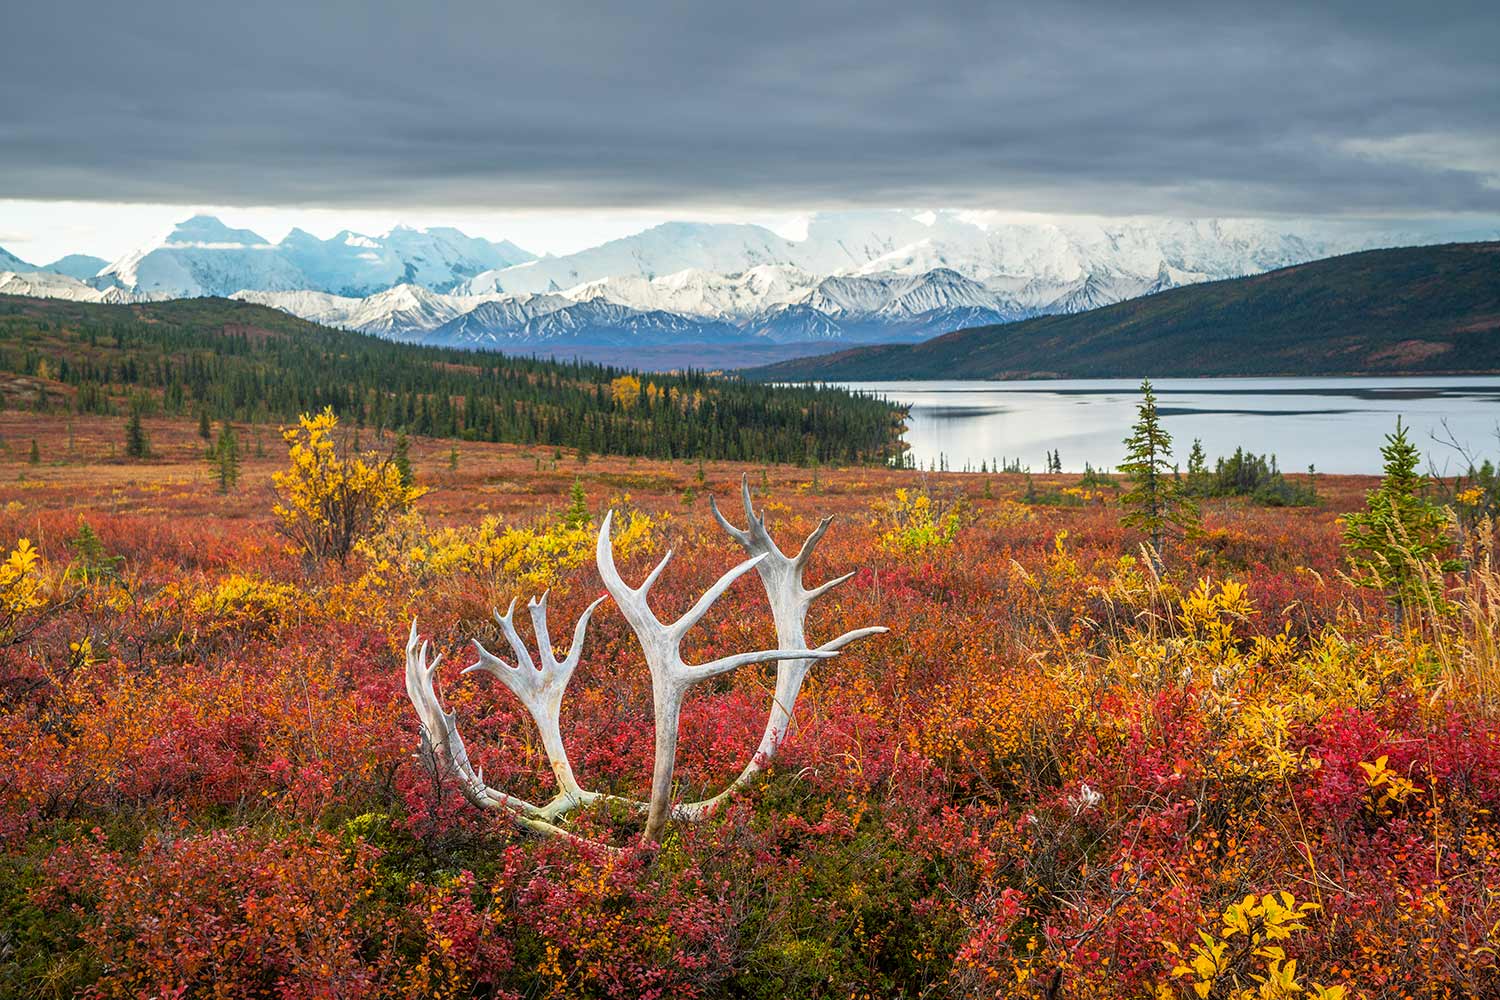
(1066, 770)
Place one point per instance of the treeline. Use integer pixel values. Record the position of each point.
(244, 362)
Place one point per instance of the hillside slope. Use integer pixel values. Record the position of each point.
(240, 361)
(1425, 310)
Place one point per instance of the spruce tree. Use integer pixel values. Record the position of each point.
(577, 515)
(1155, 503)
(401, 458)
(225, 458)
(136, 443)
(1397, 541)
(204, 431)
(35, 458)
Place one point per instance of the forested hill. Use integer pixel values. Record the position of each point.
(1426, 310)
(235, 360)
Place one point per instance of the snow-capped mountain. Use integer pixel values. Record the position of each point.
(436, 259)
(593, 323)
(722, 248)
(396, 312)
(13, 264)
(695, 292)
(851, 277)
(48, 285)
(202, 256)
(319, 307)
(501, 318)
(703, 309)
(78, 265)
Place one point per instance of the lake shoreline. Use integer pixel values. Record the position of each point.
(1335, 424)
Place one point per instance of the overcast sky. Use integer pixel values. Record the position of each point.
(567, 123)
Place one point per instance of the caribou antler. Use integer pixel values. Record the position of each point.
(540, 689)
(541, 682)
(441, 741)
(782, 577)
(670, 676)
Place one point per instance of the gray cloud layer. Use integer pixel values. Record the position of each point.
(1121, 108)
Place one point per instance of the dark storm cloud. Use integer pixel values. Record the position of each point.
(1252, 108)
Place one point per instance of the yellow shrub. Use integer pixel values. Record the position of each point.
(1210, 617)
(530, 559)
(242, 603)
(22, 588)
(331, 497)
(1246, 959)
(914, 522)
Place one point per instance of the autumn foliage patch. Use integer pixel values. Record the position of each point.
(1062, 774)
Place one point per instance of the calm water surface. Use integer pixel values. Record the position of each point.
(1336, 424)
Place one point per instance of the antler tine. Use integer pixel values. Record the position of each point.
(808, 596)
(538, 608)
(645, 588)
(854, 636)
(604, 556)
(489, 663)
(440, 733)
(576, 649)
(756, 522)
(805, 553)
(743, 537)
(631, 600)
(508, 626)
(734, 661)
(700, 608)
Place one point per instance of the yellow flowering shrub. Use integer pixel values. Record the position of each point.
(1210, 616)
(332, 496)
(1389, 789)
(1259, 744)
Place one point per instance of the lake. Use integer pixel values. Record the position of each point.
(1335, 424)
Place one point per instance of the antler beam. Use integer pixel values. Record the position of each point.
(782, 577)
(671, 677)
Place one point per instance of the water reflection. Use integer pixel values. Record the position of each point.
(1336, 424)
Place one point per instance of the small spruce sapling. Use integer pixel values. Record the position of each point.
(1396, 543)
(1155, 504)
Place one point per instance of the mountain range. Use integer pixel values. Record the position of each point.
(852, 278)
(1407, 310)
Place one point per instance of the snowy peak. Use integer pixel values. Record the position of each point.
(207, 231)
(404, 309)
(48, 285)
(351, 263)
(697, 292)
(202, 256)
(9, 262)
(77, 265)
(722, 248)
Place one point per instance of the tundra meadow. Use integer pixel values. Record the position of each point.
(1249, 767)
